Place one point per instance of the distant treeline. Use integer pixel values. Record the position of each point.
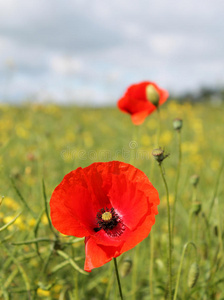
(215, 95)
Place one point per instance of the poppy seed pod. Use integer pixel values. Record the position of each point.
(158, 154)
(126, 267)
(177, 124)
(193, 275)
(152, 95)
(196, 207)
(194, 180)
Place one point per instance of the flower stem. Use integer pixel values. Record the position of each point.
(180, 266)
(169, 229)
(159, 128)
(118, 278)
(216, 189)
(133, 146)
(177, 181)
(151, 264)
(151, 268)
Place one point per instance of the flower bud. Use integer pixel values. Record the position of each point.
(196, 208)
(126, 267)
(152, 95)
(177, 124)
(158, 154)
(194, 180)
(193, 275)
(216, 230)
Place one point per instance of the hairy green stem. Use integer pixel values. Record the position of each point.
(177, 182)
(216, 189)
(159, 128)
(134, 272)
(46, 209)
(151, 264)
(219, 228)
(10, 222)
(21, 197)
(169, 230)
(133, 144)
(118, 278)
(180, 266)
(151, 267)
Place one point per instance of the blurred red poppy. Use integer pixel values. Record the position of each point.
(141, 99)
(113, 205)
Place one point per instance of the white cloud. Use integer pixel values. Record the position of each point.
(94, 49)
(65, 65)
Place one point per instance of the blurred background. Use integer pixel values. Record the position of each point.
(87, 52)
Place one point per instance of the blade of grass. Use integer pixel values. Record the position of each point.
(71, 261)
(59, 267)
(33, 241)
(22, 272)
(11, 222)
(36, 232)
(46, 209)
(216, 189)
(21, 197)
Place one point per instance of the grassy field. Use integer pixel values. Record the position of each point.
(40, 144)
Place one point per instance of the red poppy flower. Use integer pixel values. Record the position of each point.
(141, 99)
(113, 205)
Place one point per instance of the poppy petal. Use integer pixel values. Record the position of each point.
(126, 200)
(74, 198)
(135, 101)
(97, 255)
(61, 217)
(79, 202)
(139, 117)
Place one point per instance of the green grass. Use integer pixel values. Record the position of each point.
(43, 143)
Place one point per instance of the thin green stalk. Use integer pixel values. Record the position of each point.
(21, 197)
(180, 266)
(10, 278)
(118, 278)
(59, 267)
(151, 240)
(76, 291)
(217, 261)
(134, 272)
(36, 228)
(10, 222)
(110, 281)
(194, 198)
(151, 265)
(33, 241)
(177, 181)
(133, 145)
(46, 262)
(22, 272)
(169, 229)
(219, 228)
(216, 189)
(46, 209)
(158, 128)
(71, 261)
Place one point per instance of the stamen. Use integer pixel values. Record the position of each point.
(107, 216)
(110, 222)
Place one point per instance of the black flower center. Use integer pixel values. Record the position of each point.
(108, 220)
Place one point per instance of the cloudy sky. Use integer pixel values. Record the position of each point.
(89, 51)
